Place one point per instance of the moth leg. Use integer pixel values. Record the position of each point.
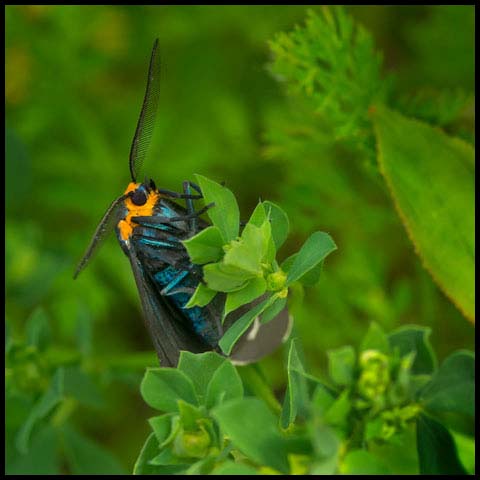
(172, 194)
(190, 208)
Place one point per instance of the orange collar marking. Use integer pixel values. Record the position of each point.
(126, 225)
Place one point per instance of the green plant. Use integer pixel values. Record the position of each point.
(386, 408)
(244, 266)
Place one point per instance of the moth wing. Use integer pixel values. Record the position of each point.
(168, 333)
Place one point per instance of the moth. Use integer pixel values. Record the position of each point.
(150, 226)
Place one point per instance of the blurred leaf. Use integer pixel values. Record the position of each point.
(86, 457)
(231, 468)
(200, 369)
(431, 179)
(225, 214)
(224, 385)
(466, 451)
(205, 246)
(375, 339)
(313, 251)
(253, 289)
(279, 221)
(413, 338)
(338, 412)
(341, 365)
(437, 452)
(80, 386)
(38, 329)
(361, 462)
(252, 428)
(296, 399)
(43, 457)
(231, 336)
(450, 394)
(162, 387)
(43, 407)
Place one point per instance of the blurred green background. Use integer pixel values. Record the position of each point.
(75, 78)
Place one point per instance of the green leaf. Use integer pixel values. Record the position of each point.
(273, 310)
(225, 215)
(341, 365)
(161, 426)
(248, 252)
(466, 451)
(81, 386)
(311, 278)
(43, 407)
(205, 246)
(149, 451)
(200, 368)
(231, 336)
(252, 290)
(375, 339)
(313, 251)
(224, 385)
(361, 462)
(413, 338)
(225, 278)
(338, 413)
(437, 452)
(296, 396)
(201, 296)
(86, 457)
(43, 457)
(432, 180)
(259, 215)
(38, 329)
(253, 430)
(162, 387)
(450, 395)
(279, 222)
(232, 468)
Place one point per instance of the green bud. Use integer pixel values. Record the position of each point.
(276, 281)
(375, 374)
(192, 444)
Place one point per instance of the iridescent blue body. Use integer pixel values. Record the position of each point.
(166, 264)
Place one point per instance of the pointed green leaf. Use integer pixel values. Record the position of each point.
(253, 429)
(375, 339)
(296, 396)
(162, 387)
(224, 385)
(413, 338)
(200, 367)
(279, 222)
(225, 215)
(252, 290)
(437, 452)
(431, 178)
(450, 395)
(225, 278)
(341, 365)
(313, 251)
(231, 336)
(205, 247)
(201, 296)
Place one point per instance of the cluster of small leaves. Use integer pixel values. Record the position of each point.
(244, 266)
(386, 409)
(44, 387)
(332, 61)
